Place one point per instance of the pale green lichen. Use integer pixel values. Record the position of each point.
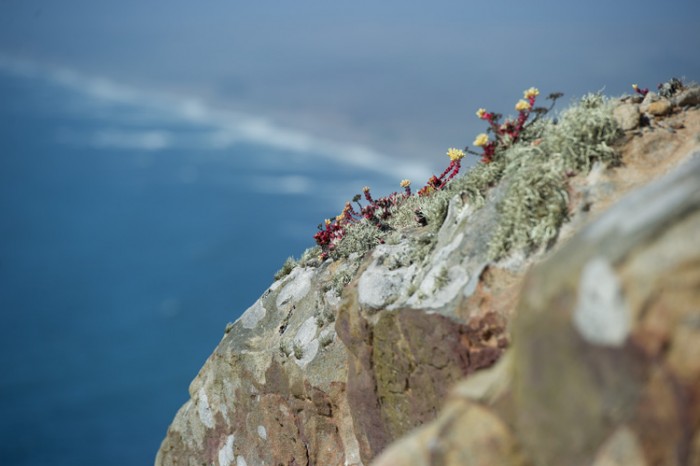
(479, 180)
(584, 135)
(536, 201)
(533, 208)
(432, 208)
(359, 238)
(534, 172)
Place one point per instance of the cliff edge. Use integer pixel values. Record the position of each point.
(548, 315)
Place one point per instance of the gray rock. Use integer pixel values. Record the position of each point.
(688, 97)
(650, 98)
(627, 116)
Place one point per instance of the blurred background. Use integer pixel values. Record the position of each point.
(160, 160)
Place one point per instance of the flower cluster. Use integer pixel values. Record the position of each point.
(376, 212)
(639, 90)
(666, 89)
(508, 132)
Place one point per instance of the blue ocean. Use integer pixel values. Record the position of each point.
(130, 235)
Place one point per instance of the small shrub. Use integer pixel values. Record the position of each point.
(284, 349)
(298, 351)
(442, 278)
(326, 339)
(286, 269)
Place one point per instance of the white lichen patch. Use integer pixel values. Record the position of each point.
(253, 315)
(457, 279)
(473, 281)
(306, 332)
(601, 315)
(228, 394)
(262, 432)
(298, 286)
(457, 212)
(305, 339)
(378, 286)
(283, 408)
(309, 353)
(204, 410)
(514, 261)
(226, 455)
(223, 410)
(442, 282)
(440, 286)
(240, 461)
(445, 252)
(332, 298)
(276, 285)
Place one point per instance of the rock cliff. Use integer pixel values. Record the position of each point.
(430, 350)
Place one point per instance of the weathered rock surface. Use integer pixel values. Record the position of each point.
(627, 115)
(604, 346)
(604, 368)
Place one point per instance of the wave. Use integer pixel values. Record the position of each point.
(216, 128)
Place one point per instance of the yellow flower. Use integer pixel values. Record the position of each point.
(522, 105)
(532, 92)
(454, 154)
(635, 87)
(481, 140)
(481, 112)
(405, 183)
(327, 222)
(339, 217)
(365, 189)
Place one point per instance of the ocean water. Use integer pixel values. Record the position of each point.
(126, 245)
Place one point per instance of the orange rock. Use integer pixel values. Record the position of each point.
(660, 108)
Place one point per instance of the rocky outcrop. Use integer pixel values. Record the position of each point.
(590, 357)
(604, 368)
